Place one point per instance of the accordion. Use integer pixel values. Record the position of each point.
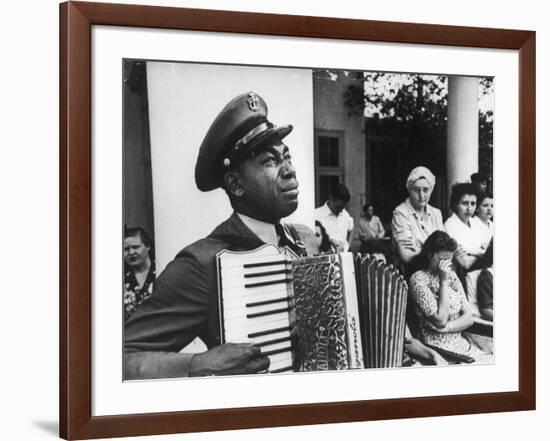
(326, 312)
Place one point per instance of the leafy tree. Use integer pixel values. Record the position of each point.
(410, 112)
(486, 131)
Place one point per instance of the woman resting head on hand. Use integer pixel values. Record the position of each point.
(439, 300)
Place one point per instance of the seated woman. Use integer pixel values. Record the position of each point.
(464, 227)
(415, 219)
(139, 271)
(322, 240)
(438, 298)
(470, 234)
(484, 213)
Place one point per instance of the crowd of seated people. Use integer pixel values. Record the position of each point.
(448, 264)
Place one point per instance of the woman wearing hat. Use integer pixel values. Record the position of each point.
(415, 219)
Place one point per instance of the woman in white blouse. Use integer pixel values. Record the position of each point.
(470, 234)
(464, 227)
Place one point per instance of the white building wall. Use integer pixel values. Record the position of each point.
(331, 114)
(184, 99)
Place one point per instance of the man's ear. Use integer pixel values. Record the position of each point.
(233, 184)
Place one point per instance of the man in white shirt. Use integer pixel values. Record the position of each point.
(334, 217)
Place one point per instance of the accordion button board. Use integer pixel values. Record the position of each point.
(256, 302)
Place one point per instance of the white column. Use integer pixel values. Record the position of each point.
(462, 129)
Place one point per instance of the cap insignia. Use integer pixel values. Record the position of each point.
(253, 102)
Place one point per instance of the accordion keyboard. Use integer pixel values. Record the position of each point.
(256, 304)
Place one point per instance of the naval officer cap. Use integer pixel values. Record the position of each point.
(240, 130)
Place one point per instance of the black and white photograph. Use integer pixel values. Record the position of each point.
(239, 220)
(284, 219)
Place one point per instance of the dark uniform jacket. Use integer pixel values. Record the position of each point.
(184, 304)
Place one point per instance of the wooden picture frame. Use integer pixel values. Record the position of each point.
(76, 239)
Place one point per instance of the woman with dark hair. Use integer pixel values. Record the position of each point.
(322, 240)
(471, 236)
(139, 271)
(438, 297)
(464, 227)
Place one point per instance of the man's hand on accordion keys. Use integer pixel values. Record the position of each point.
(229, 359)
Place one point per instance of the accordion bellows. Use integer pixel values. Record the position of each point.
(383, 303)
(327, 312)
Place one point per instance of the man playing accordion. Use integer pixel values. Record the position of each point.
(243, 153)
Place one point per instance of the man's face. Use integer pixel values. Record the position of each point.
(268, 180)
(336, 206)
